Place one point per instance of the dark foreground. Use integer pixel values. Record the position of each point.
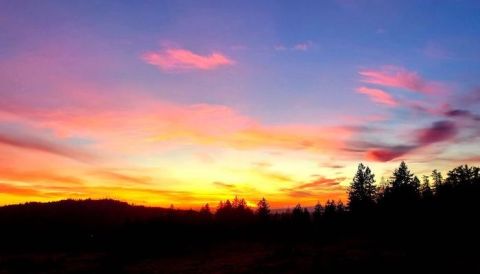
(251, 257)
(162, 242)
(400, 228)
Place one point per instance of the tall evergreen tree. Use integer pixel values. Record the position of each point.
(403, 187)
(361, 193)
(401, 177)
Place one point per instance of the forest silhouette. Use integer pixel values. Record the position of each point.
(397, 225)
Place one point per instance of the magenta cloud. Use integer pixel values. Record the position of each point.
(437, 132)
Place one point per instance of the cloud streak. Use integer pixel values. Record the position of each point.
(176, 59)
(35, 143)
(439, 131)
(396, 77)
(378, 96)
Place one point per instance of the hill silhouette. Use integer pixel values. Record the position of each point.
(103, 212)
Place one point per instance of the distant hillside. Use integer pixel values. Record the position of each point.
(104, 212)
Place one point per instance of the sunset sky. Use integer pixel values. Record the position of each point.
(189, 102)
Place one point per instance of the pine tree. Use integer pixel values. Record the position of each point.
(401, 177)
(404, 186)
(263, 209)
(361, 193)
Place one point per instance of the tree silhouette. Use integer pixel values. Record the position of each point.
(426, 190)
(239, 204)
(462, 175)
(205, 211)
(234, 212)
(297, 212)
(300, 215)
(263, 210)
(317, 212)
(361, 193)
(330, 208)
(403, 187)
(437, 178)
(340, 210)
(306, 214)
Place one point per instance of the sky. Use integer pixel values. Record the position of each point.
(192, 102)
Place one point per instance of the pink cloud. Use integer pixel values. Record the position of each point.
(378, 96)
(181, 59)
(401, 78)
(152, 121)
(387, 154)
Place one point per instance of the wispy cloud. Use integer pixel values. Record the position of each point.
(29, 176)
(19, 191)
(396, 77)
(175, 59)
(317, 188)
(304, 46)
(121, 177)
(322, 182)
(224, 185)
(378, 96)
(36, 143)
(439, 131)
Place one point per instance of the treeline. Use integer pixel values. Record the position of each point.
(403, 192)
(402, 208)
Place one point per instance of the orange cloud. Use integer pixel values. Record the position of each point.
(378, 96)
(322, 188)
(18, 191)
(401, 78)
(182, 59)
(157, 122)
(37, 176)
(322, 182)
